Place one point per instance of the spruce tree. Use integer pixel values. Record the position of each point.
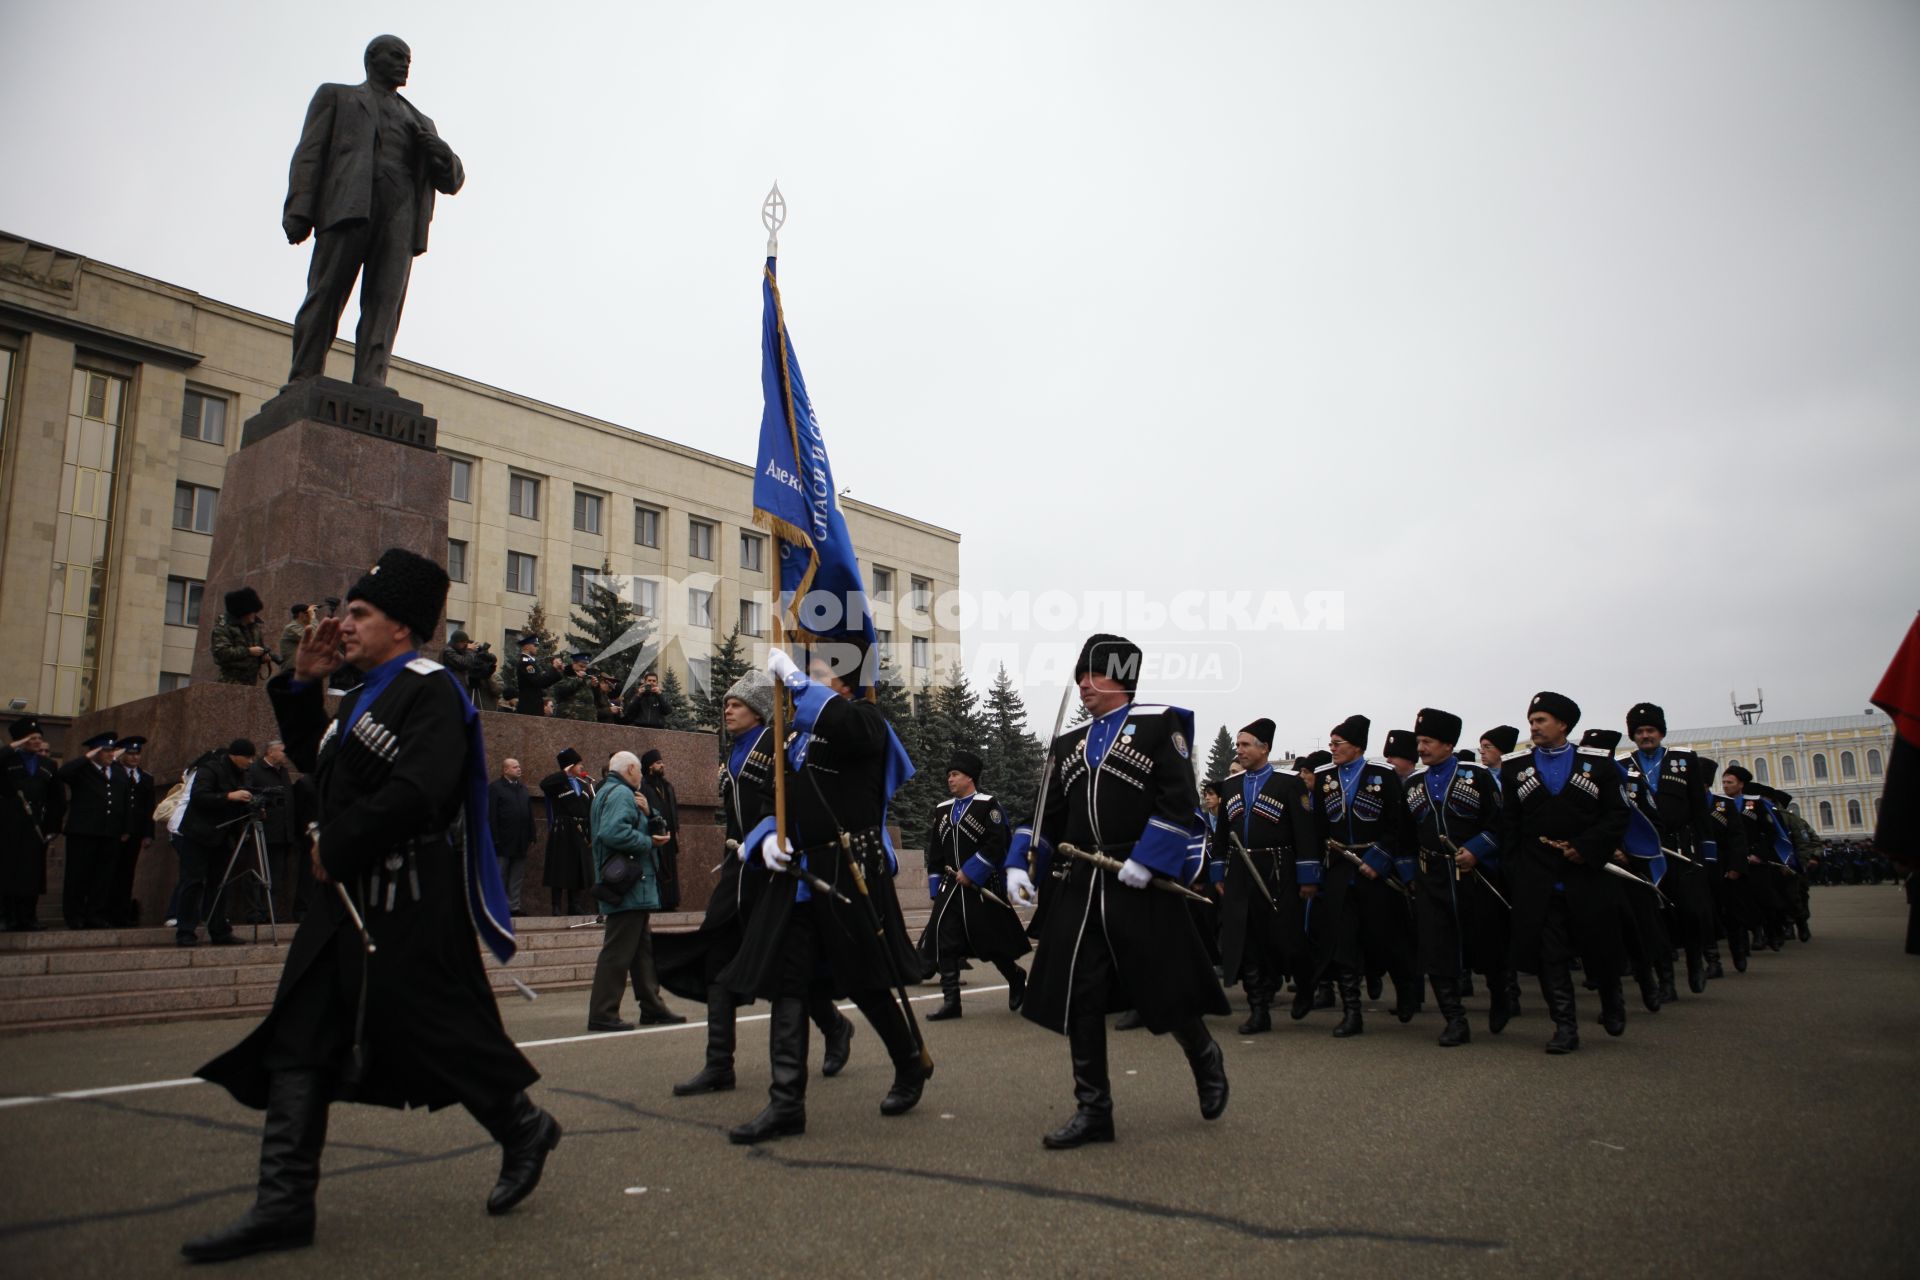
(607, 621)
(679, 714)
(1220, 758)
(1013, 755)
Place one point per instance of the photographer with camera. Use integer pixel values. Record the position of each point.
(216, 805)
(271, 782)
(474, 667)
(239, 649)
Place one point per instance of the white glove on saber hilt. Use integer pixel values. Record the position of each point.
(1135, 875)
(776, 859)
(1020, 888)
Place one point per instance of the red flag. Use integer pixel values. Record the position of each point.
(1899, 691)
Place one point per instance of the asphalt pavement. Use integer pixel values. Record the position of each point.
(1766, 1128)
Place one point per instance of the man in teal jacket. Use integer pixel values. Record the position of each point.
(623, 824)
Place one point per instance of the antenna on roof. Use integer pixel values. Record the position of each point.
(1749, 711)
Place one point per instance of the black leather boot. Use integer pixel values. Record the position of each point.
(1696, 970)
(1259, 1019)
(1323, 994)
(1500, 1000)
(1613, 1007)
(1092, 1119)
(1302, 1000)
(1663, 972)
(1016, 983)
(1373, 986)
(949, 992)
(1556, 988)
(1406, 996)
(1466, 984)
(910, 1074)
(785, 1114)
(1446, 994)
(717, 1075)
(1737, 949)
(1712, 954)
(525, 1134)
(1649, 988)
(1513, 992)
(1351, 1024)
(290, 1143)
(1130, 1021)
(836, 1032)
(1210, 1064)
(1802, 931)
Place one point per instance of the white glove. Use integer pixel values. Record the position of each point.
(1020, 888)
(1135, 875)
(776, 858)
(782, 668)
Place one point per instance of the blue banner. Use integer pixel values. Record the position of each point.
(823, 597)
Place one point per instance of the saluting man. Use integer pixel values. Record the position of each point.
(96, 827)
(1563, 814)
(29, 819)
(1268, 814)
(405, 1017)
(1455, 809)
(1122, 785)
(966, 847)
(569, 868)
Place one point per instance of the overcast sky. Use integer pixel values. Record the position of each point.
(1574, 344)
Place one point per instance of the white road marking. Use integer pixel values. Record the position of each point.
(81, 1095)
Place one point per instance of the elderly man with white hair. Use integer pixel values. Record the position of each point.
(623, 828)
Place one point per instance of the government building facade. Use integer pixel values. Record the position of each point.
(1834, 768)
(122, 398)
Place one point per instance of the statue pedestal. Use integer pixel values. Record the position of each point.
(328, 476)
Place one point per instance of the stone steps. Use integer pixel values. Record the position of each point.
(66, 978)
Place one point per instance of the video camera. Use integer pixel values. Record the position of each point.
(267, 798)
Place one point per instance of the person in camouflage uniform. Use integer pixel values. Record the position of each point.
(573, 696)
(239, 650)
(291, 633)
(1808, 848)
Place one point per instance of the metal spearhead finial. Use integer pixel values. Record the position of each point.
(774, 214)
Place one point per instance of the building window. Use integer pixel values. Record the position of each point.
(459, 480)
(586, 511)
(883, 645)
(183, 601)
(1848, 769)
(699, 540)
(523, 496)
(1819, 767)
(699, 608)
(171, 680)
(921, 597)
(922, 653)
(1760, 769)
(1733, 764)
(453, 625)
(646, 526)
(520, 572)
(753, 552)
(646, 598)
(456, 560)
(82, 533)
(1853, 813)
(1873, 761)
(1826, 815)
(1789, 771)
(580, 579)
(204, 417)
(6, 393)
(882, 585)
(753, 618)
(193, 507)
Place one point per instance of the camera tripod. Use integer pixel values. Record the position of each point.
(256, 866)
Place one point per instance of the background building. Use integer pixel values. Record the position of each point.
(122, 397)
(1835, 768)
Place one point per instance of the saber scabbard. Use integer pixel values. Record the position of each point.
(1246, 858)
(1346, 851)
(1105, 863)
(886, 948)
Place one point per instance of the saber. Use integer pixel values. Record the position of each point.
(951, 876)
(1675, 853)
(1252, 870)
(523, 988)
(805, 877)
(353, 913)
(1347, 852)
(1105, 863)
(1476, 873)
(886, 949)
(1046, 775)
(1614, 868)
